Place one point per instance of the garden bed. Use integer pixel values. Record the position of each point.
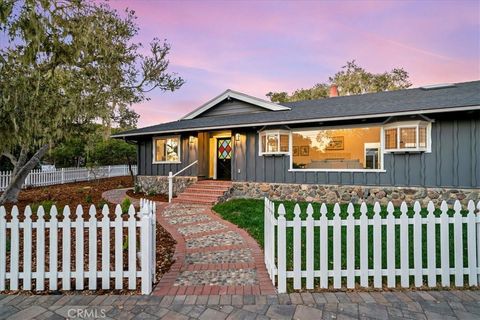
(154, 197)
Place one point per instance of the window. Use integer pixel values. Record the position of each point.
(407, 136)
(346, 149)
(274, 142)
(390, 138)
(166, 150)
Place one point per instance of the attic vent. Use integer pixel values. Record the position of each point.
(438, 86)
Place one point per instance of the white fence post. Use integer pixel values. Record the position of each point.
(323, 247)
(27, 249)
(146, 241)
(282, 250)
(309, 247)
(170, 186)
(297, 249)
(14, 249)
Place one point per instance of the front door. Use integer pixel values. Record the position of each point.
(224, 158)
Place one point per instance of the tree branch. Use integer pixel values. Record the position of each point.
(11, 157)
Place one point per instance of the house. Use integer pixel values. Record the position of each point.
(421, 143)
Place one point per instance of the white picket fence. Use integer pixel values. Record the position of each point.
(37, 178)
(42, 264)
(347, 270)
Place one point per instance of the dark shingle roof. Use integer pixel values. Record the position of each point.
(466, 94)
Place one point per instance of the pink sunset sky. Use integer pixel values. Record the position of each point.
(261, 46)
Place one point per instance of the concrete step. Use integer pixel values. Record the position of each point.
(197, 196)
(211, 186)
(212, 192)
(194, 201)
(214, 182)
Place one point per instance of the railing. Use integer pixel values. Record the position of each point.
(171, 176)
(54, 235)
(37, 178)
(376, 250)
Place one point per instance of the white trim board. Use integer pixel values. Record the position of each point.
(236, 95)
(370, 116)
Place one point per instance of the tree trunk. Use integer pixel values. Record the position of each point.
(129, 162)
(20, 173)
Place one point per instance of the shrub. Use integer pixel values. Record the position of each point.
(137, 189)
(102, 203)
(125, 205)
(88, 198)
(47, 206)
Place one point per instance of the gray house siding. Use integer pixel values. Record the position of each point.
(231, 107)
(188, 154)
(453, 162)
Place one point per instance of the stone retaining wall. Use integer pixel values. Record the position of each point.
(159, 184)
(346, 194)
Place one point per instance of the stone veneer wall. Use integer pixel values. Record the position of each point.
(346, 194)
(159, 184)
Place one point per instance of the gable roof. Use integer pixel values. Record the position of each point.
(235, 95)
(462, 96)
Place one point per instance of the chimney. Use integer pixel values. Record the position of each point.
(333, 90)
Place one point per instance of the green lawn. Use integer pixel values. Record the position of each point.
(248, 214)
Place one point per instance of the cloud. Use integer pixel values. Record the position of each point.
(257, 47)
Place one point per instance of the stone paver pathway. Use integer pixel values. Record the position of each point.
(332, 305)
(212, 256)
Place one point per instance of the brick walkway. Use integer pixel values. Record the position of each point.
(341, 305)
(212, 256)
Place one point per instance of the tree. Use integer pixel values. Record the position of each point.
(68, 64)
(352, 79)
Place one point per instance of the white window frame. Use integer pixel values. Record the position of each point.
(381, 155)
(274, 132)
(154, 149)
(410, 124)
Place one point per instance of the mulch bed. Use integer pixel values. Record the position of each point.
(138, 195)
(86, 194)
(72, 194)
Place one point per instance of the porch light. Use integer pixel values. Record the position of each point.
(191, 139)
(237, 137)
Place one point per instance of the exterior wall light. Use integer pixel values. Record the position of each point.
(237, 137)
(191, 139)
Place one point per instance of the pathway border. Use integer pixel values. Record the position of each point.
(166, 284)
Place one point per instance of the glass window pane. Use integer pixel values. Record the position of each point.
(408, 138)
(171, 150)
(167, 150)
(354, 148)
(264, 142)
(391, 138)
(422, 137)
(272, 142)
(159, 150)
(284, 142)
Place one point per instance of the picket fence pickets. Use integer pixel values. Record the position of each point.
(37, 178)
(384, 232)
(62, 230)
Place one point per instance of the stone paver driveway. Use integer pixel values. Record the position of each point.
(341, 305)
(212, 256)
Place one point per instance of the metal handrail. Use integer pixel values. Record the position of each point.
(170, 179)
